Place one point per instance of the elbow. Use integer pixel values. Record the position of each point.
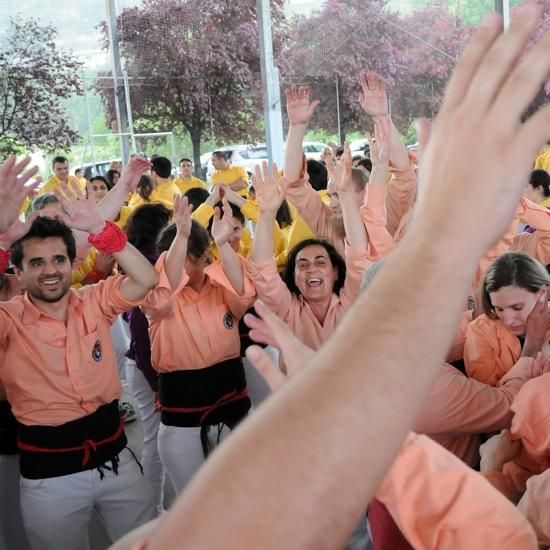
(152, 280)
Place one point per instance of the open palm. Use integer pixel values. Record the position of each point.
(374, 100)
(270, 188)
(222, 225)
(298, 105)
(81, 210)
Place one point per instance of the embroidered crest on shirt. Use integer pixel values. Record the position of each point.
(97, 352)
(228, 321)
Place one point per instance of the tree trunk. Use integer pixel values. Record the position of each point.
(195, 134)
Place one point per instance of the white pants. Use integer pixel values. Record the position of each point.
(12, 531)
(150, 420)
(121, 343)
(258, 388)
(57, 511)
(181, 451)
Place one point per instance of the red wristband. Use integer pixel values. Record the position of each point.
(5, 256)
(111, 239)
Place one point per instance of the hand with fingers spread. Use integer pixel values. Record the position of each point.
(374, 100)
(340, 175)
(81, 211)
(298, 105)
(13, 190)
(222, 225)
(483, 99)
(16, 230)
(270, 188)
(132, 172)
(182, 215)
(270, 329)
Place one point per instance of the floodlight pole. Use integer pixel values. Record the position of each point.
(503, 7)
(271, 91)
(120, 108)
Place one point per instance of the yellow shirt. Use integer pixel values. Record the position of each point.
(53, 182)
(543, 161)
(191, 183)
(83, 269)
(164, 193)
(231, 175)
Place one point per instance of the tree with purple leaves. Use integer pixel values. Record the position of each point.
(192, 65)
(35, 77)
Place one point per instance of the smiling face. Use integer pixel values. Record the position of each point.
(512, 305)
(314, 274)
(46, 270)
(61, 170)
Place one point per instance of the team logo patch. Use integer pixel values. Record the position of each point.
(97, 352)
(471, 303)
(228, 321)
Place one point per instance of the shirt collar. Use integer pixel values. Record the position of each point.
(32, 314)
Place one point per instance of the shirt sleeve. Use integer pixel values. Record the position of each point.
(203, 214)
(400, 196)
(373, 211)
(357, 261)
(270, 287)
(440, 503)
(534, 506)
(539, 219)
(159, 302)
(108, 297)
(480, 357)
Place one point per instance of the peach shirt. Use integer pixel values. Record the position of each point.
(55, 372)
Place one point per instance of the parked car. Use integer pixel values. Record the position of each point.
(98, 169)
(313, 149)
(358, 146)
(247, 156)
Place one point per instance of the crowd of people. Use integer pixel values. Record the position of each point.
(367, 340)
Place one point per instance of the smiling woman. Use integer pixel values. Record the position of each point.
(514, 296)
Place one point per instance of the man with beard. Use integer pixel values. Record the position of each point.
(60, 377)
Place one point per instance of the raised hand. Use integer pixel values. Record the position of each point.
(299, 108)
(81, 210)
(182, 215)
(270, 329)
(374, 100)
(13, 190)
(222, 226)
(16, 230)
(270, 188)
(132, 172)
(379, 144)
(340, 175)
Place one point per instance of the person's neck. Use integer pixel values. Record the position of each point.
(56, 310)
(186, 178)
(198, 285)
(320, 308)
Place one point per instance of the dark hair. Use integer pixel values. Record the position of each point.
(540, 178)
(196, 196)
(318, 175)
(144, 225)
(236, 211)
(185, 160)
(359, 179)
(512, 268)
(78, 170)
(43, 228)
(61, 160)
(365, 163)
(110, 177)
(145, 187)
(161, 166)
(283, 216)
(339, 152)
(43, 200)
(197, 244)
(221, 155)
(102, 179)
(335, 258)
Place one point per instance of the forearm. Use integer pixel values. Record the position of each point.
(238, 185)
(399, 156)
(141, 275)
(356, 233)
(232, 267)
(315, 418)
(262, 249)
(175, 260)
(113, 201)
(293, 152)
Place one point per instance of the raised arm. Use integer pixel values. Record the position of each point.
(222, 228)
(83, 214)
(300, 110)
(129, 178)
(356, 233)
(175, 258)
(13, 190)
(372, 376)
(270, 193)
